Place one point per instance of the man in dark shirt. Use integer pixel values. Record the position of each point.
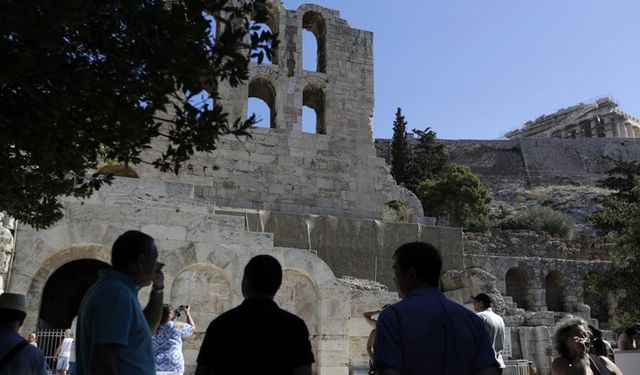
(257, 337)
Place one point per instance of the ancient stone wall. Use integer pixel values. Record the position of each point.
(204, 252)
(540, 272)
(527, 243)
(532, 162)
(333, 171)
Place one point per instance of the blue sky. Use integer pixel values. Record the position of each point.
(475, 69)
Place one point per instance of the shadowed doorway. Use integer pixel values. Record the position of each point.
(64, 291)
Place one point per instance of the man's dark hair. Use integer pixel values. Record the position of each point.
(264, 273)
(128, 247)
(423, 257)
(11, 315)
(484, 298)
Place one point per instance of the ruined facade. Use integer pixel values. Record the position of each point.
(600, 119)
(323, 203)
(310, 199)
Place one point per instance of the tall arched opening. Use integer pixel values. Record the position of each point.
(64, 291)
(314, 99)
(517, 283)
(554, 291)
(314, 23)
(261, 88)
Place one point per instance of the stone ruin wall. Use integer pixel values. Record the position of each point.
(315, 201)
(205, 252)
(535, 279)
(525, 162)
(333, 171)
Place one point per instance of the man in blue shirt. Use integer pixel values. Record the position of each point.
(113, 332)
(426, 333)
(16, 355)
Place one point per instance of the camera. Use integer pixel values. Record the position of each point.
(180, 308)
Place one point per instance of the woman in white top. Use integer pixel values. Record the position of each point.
(63, 351)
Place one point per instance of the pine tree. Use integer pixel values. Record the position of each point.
(457, 195)
(430, 157)
(619, 222)
(401, 162)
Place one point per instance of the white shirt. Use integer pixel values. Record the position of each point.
(72, 354)
(495, 327)
(65, 349)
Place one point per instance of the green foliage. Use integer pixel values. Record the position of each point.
(412, 165)
(429, 155)
(401, 155)
(458, 196)
(619, 220)
(87, 81)
(543, 219)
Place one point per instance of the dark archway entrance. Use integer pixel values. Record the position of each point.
(64, 291)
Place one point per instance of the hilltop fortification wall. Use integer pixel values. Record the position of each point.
(533, 162)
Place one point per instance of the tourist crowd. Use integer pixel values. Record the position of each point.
(423, 333)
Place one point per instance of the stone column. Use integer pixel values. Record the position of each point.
(7, 244)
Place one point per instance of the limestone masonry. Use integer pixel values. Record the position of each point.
(325, 205)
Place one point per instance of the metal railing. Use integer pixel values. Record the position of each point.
(517, 367)
(48, 341)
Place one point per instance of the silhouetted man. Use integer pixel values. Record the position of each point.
(113, 332)
(493, 323)
(425, 333)
(257, 337)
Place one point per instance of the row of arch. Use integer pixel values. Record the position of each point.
(517, 287)
(314, 37)
(205, 286)
(313, 101)
(314, 28)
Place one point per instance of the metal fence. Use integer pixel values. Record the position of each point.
(517, 367)
(48, 341)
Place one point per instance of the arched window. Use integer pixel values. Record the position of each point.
(314, 23)
(313, 100)
(554, 291)
(265, 95)
(64, 291)
(271, 24)
(517, 284)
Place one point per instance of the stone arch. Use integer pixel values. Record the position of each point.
(517, 285)
(53, 263)
(272, 22)
(313, 96)
(262, 88)
(299, 295)
(64, 290)
(315, 23)
(554, 291)
(203, 285)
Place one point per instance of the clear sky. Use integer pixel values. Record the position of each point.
(474, 69)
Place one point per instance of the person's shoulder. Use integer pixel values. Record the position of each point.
(33, 352)
(289, 318)
(225, 319)
(560, 366)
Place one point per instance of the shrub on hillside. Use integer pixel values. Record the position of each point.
(542, 219)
